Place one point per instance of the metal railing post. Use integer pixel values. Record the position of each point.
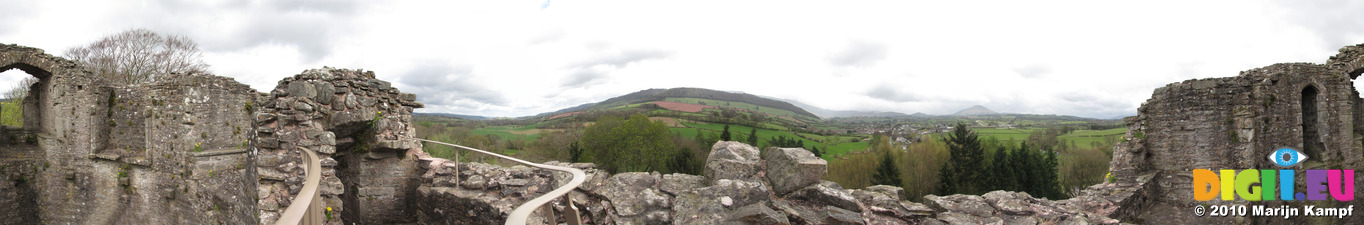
(571, 212)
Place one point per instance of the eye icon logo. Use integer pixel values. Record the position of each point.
(1287, 157)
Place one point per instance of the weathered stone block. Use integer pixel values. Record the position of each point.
(633, 194)
(789, 169)
(758, 214)
(799, 214)
(677, 183)
(398, 144)
(731, 160)
(325, 149)
(884, 204)
(840, 216)
(707, 205)
(968, 204)
(328, 162)
(474, 182)
(331, 186)
(338, 103)
(894, 192)
(303, 106)
(828, 193)
(326, 138)
(324, 92)
(379, 84)
(1012, 203)
(271, 160)
(302, 90)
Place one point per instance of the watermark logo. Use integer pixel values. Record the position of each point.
(1257, 185)
(1287, 157)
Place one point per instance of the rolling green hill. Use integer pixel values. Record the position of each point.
(652, 95)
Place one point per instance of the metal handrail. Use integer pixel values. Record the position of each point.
(518, 216)
(310, 213)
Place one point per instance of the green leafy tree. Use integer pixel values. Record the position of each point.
(886, 173)
(632, 145)
(965, 170)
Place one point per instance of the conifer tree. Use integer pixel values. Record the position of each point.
(945, 186)
(1002, 175)
(1049, 186)
(886, 173)
(724, 135)
(965, 172)
(575, 152)
(1022, 161)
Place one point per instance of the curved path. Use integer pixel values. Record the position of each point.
(518, 216)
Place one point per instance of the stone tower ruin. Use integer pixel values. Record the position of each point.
(1235, 122)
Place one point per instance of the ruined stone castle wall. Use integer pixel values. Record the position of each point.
(1237, 122)
(109, 152)
(202, 149)
(359, 125)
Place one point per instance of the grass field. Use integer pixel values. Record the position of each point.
(1082, 138)
(1005, 134)
(508, 132)
(739, 105)
(830, 151)
(1085, 138)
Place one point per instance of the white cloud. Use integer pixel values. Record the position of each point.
(515, 58)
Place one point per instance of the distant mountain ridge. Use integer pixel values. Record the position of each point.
(975, 110)
(651, 95)
(827, 113)
(461, 116)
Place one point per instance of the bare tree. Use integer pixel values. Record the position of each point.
(139, 55)
(20, 90)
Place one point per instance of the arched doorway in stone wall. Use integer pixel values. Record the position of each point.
(31, 115)
(19, 143)
(1311, 140)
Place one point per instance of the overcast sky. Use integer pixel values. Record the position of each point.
(517, 58)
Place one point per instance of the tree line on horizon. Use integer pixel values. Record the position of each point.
(962, 162)
(1009, 169)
